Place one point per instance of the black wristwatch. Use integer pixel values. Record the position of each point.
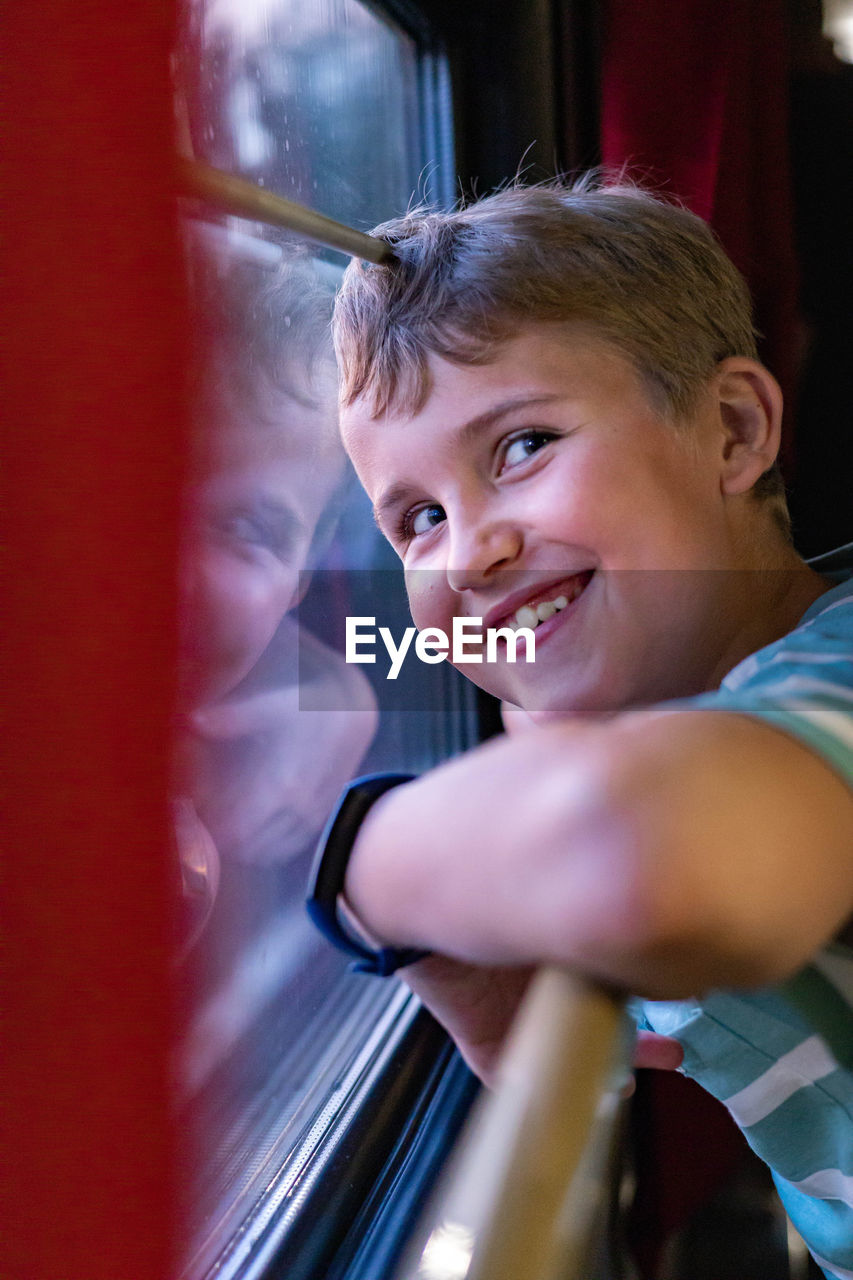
(326, 884)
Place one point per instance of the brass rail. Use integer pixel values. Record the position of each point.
(238, 196)
(528, 1189)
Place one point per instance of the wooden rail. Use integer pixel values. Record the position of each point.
(529, 1186)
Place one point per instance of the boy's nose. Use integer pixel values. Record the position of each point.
(477, 553)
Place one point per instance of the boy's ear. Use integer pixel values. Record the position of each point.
(750, 407)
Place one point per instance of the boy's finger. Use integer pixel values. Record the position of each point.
(661, 1052)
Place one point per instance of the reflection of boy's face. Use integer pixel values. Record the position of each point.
(546, 475)
(256, 495)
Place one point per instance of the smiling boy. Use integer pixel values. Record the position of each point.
(553, 399)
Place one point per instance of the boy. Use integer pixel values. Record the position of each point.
(553, 400)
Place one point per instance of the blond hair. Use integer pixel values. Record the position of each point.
(644, 274)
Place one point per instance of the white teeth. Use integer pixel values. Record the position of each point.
(528, 616)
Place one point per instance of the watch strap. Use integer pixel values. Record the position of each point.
(328, 873)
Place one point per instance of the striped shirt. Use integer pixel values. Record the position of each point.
(781, 1058)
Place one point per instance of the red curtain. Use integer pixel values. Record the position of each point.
(694, 98)
(93, 416)
(694, 101)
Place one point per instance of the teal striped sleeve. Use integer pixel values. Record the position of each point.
(802, 684)
(781, 1058)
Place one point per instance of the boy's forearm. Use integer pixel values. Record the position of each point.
(526, 851)
(667, 853)
(472, 859)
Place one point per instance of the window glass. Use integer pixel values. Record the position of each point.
(313, 99)
(279, 548)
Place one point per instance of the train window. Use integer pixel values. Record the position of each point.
(280, 1040)
(320, 103)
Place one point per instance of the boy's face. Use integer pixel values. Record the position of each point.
(257, 492)
(548, 476)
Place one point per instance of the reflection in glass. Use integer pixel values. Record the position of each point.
(254, 779)
(266, 463)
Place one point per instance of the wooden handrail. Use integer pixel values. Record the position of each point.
(524, 1194)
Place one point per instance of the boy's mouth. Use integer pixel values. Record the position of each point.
(543, 605)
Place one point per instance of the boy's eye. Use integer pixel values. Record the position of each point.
(426, 518)
(524, 445)
(242, 530)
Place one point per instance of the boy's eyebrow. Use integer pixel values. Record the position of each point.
(465, 434)
(286, 521)
(526, 400)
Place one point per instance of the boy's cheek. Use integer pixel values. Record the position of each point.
(432, 606)
(231, 611)
(430, 603)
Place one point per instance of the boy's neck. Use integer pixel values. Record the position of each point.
(774, 598)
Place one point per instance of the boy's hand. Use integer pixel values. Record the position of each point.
(476, 1005)
(661, 1052)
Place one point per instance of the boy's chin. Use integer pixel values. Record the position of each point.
(531, 707)
(538, 706)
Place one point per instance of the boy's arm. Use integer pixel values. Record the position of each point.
(666, 852)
